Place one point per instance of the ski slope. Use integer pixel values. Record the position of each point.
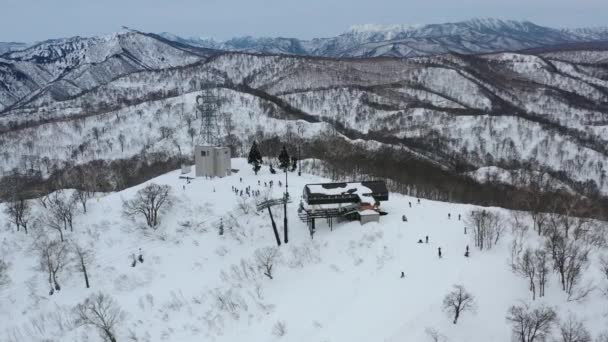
(344, 285)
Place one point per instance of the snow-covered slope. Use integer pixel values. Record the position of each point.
(344, 285)
(506, 110)
(480, 35)
(59, 69)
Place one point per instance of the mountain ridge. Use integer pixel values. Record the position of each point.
(478, 35)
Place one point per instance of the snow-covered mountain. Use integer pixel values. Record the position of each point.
(456, 113)
(472, 36)
(11, 46)
(59, 69)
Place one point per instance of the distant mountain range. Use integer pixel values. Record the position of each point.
(467, 37)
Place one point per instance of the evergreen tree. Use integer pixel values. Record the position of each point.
(255, 158)
(294, 164)
(284, 159)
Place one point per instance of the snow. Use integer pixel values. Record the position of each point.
(368, 212)
(344, 285)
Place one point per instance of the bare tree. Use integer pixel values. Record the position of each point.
(61, 210)
(541, 265)
(81, 196)
(458, 301)
(526, 267)
(573, 330)
(4, 278)
(530, 325)
(148, 202)
(537, 184)
(435, 335)
(266, 258)
(602, 337)
(52, 256)
(604, 265)
(279, 329)
(102, 312)
(121, 141)
(19, 212)
(487, 228)
(82, 257)
(577, 262)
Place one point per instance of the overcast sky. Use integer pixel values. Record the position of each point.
(34, 20)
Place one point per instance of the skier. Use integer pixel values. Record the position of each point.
(134, 262)
(466, 254)
(465, 230)
(419, 201)
(410, 204)
(258, 182)
(184, 187)
(420, 241)
(427, 239)
(403, 218)
(402, 274)
(141, 257)
(241, 179)
(449, 216)
(458, 217)
(439, 251)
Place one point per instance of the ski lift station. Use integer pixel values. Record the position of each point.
(212, 161)
(350, 201)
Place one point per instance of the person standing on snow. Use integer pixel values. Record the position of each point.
(439, 252)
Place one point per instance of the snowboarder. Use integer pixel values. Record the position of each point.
(427, 239)
(466, 254)
(141, 257)
(402, 274)
(439, 252)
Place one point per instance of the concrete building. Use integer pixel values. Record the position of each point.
(212, 161)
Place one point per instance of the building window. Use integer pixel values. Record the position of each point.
(203, 153)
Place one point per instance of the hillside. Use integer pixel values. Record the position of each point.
(455, 113)
(344, 285)
(63, 68)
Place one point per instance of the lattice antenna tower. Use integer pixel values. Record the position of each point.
(208, 104)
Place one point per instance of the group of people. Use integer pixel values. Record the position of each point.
(248, 191)
(426, 238)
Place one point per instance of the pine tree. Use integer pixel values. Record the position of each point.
(255, 158)
(294, 164)
(284, 159)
